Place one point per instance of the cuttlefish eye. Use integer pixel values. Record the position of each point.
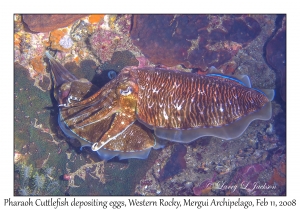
(126, 92)
(112, 74)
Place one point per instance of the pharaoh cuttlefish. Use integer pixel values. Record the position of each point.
(118, 119)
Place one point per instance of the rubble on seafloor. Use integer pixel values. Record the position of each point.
(91, 46)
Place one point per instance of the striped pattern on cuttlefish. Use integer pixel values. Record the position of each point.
(118, 119)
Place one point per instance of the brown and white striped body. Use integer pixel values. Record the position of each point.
(178, 106)
(173, 99)
(179, 102)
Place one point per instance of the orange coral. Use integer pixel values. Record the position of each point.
(76, 59)
(82, 54)
(38, 64)
(17, 40)
(55, 37)
(46, 43)
(95, 18)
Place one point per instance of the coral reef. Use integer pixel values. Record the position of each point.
(29, 50)
(66, 42)
(81, 30)
(60, 40)
(104, 43)
(112, 36)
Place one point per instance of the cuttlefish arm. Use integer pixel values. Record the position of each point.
(60, 74)
(102, 97)
(67, 88)
(116, 99)
(105, 119)
(92, 115)
(120, 124)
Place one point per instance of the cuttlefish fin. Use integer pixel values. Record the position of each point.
(121, 122)
(231, 131)
(240, 79)
(270, 93)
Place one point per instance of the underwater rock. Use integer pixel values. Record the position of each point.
(38, 64)
(119, 60)
(248, 177)
(195, 41)
(46, 23)
(276, 49)
(279, 175)
(205, 186)
(276, 55)
(29, 51)
(175, 164)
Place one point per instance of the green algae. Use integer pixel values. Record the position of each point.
(29, 104)
(124, 176)
(33, 137)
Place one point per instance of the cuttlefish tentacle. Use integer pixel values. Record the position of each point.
(101, 107)
(104, 94)
(95, 108)
(88, 110)
(60, 74)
